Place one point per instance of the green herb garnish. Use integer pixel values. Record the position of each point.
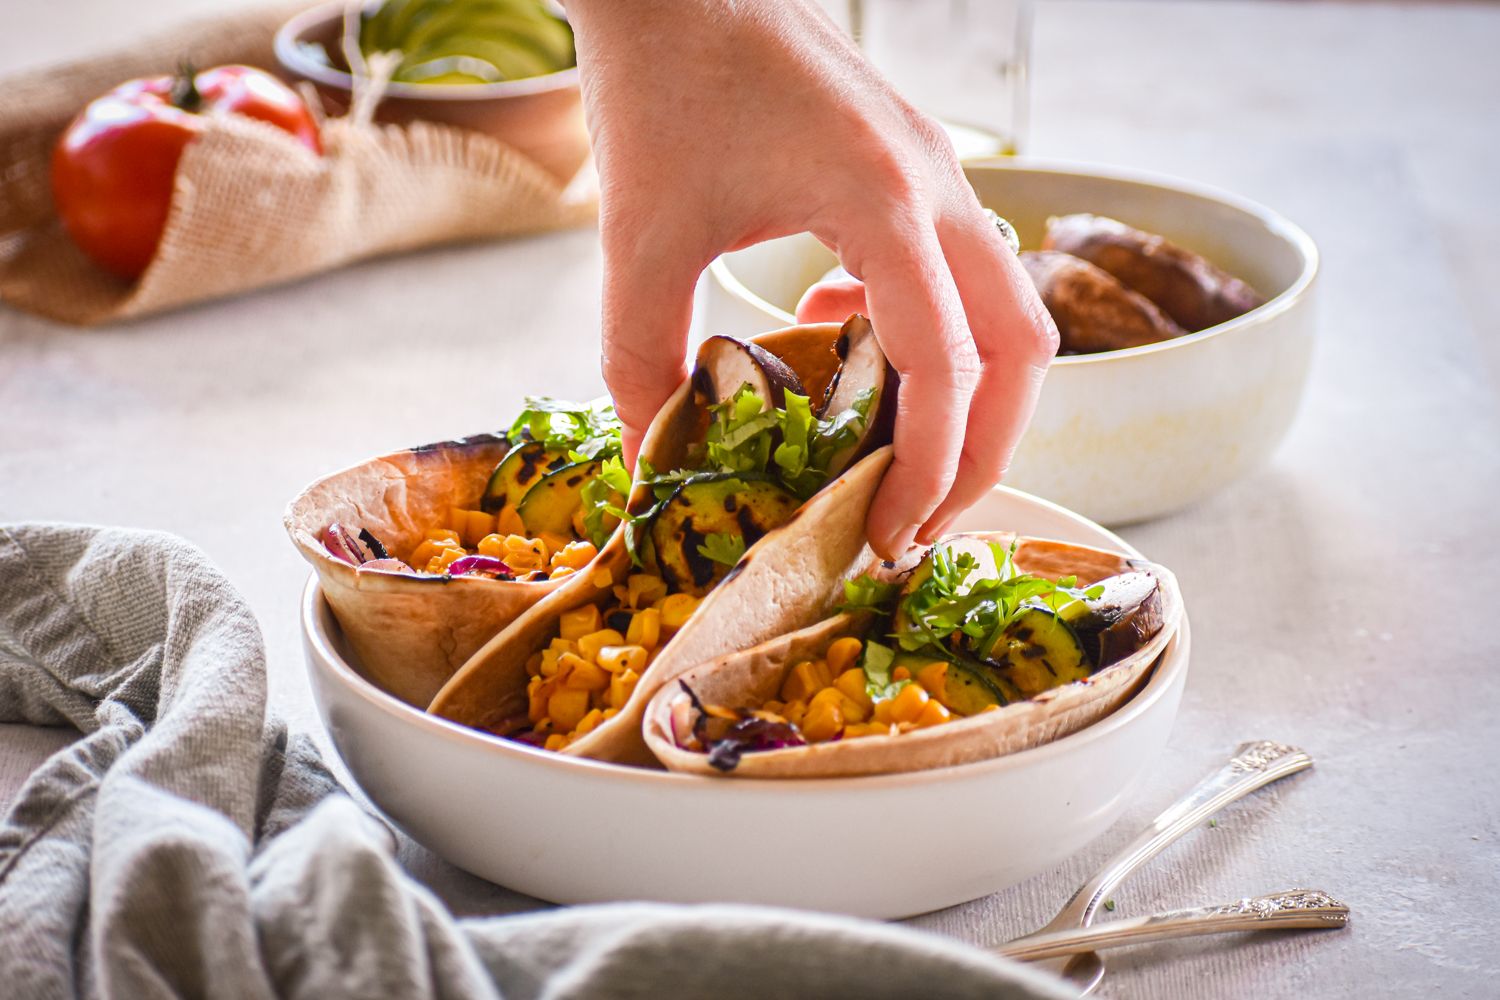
(741, 432)
(583, 430)
(598, 495)
(724, 549)
(864, 593)
(960, 597)
(877, 660)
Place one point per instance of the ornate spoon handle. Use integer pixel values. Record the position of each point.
(1294, 908)
(1253, 766)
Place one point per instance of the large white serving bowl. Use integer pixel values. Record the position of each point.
(573, 831)
(1127, 435)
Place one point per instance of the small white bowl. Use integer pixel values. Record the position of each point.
(1126, 435)
(578, 831)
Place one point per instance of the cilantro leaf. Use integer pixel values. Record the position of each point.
(877, 661)
(962, 605)
(722, 547)
(601, 497)
(583, 430)
(864, 593)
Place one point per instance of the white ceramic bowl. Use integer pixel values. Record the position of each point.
(574, 831)
(1133, 434)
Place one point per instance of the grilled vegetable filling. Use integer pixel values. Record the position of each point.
(545, 512)
(763, 453)
(966, 634)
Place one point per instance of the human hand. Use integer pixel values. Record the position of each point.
(715, 127)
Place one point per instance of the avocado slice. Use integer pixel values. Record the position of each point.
(518, 472)
(734, 505)
(551, 503)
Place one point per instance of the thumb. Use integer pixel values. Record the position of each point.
(648, 306)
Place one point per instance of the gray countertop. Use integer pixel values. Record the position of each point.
(1339, 597)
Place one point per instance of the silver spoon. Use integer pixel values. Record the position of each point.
(1292, 909)
(1253, 766)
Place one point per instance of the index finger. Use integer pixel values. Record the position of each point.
(919, 321)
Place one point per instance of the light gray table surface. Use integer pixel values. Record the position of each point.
(1341, 598)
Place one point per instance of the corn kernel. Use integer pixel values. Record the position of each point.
(567, 663)
(907, 706)
(429, 550)
(579, 622)
(554, 542)
(795, 711)
(588, 722)
(882, 713)
(534, 664)
(525, 553)
(901, 674)
(621, 686)
(585, 676)
(536, 699)
(458, 518)
(644, 629)
(448, 557)
(852, 684)
(801, 684)
(477, 524)
(617, 659)
(589, 645)
(643, 589)
(603, 577)
(823, 720)
(574, 555)
(933, 714)
(610, 713)
(444, 534)
(842, 653)
(562, 645)
(556, 741)
(549, 662)
(567, 707)
(492, 545)
(508, 522)
(934, 678)
(677, 609)
(561, 571)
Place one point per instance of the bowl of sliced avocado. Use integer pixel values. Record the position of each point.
(504, 68)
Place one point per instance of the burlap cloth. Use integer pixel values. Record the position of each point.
(252, 207)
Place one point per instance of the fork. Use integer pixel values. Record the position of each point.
(1253, 766)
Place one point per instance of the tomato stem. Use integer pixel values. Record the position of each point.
(185, 93)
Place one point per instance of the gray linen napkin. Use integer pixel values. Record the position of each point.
(188, 846)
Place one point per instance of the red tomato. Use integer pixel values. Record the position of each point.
(113, 168)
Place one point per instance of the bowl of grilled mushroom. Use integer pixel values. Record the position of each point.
(1186, 317)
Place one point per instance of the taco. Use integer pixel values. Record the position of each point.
(425, 554)
(992, 644)
(749, 506)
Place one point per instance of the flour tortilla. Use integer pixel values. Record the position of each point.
(755, 675)
(787, 580)
(409, 632)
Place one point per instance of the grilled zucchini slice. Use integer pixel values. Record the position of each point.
(556, 497)
(1039, 651)
(518, 472)
(734, 505)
